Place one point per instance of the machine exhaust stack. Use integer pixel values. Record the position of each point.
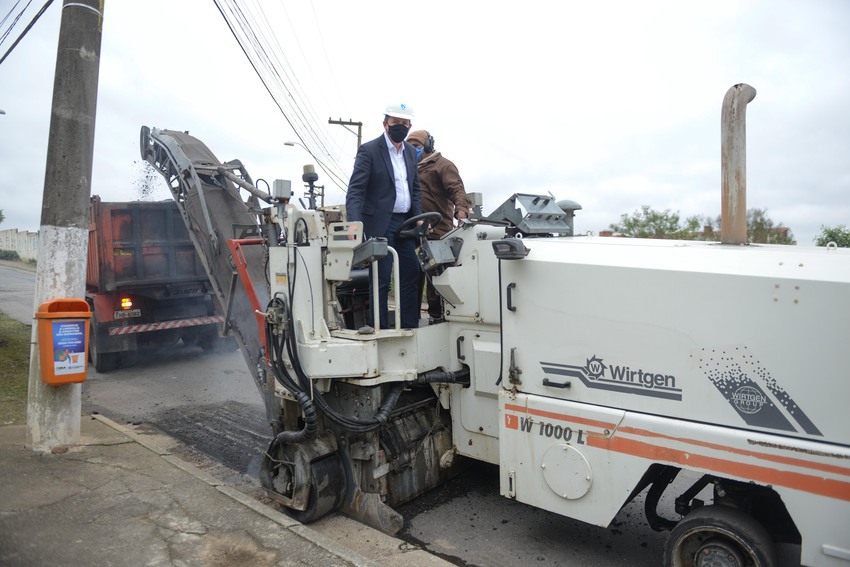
(733, 164)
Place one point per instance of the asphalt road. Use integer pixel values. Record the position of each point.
(17, 291)
(209, 402)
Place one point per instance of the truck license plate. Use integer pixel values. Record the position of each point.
(127, 314)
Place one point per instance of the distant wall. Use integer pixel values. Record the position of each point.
(23, 242)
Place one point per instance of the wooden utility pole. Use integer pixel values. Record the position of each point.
(53, 412)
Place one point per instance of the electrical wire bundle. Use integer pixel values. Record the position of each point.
(4, 33)
(249, 24)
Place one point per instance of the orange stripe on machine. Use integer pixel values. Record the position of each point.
(765, 456)
(832, 488)
(563, 417)
(799, 481)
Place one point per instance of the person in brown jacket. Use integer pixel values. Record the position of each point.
(442, 191)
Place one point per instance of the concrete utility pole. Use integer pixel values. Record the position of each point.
(53, 412)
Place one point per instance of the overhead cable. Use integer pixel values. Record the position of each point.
(27, 29)
(250, 27)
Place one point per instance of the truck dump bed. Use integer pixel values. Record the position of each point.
(139, 244)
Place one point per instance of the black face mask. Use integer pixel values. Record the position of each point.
(398, 132)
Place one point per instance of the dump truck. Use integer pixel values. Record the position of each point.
(145, 284)
(588, 369)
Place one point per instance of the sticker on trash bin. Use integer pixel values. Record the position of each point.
(69, 347)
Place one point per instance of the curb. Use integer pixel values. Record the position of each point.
(20, 266)
(158, 445)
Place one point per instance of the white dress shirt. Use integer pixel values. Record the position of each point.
(402, 194)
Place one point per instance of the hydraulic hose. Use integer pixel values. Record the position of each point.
(311, 422)
(301, 388)
(391, 399)
(308, 409)
(351, 424)
(356, 425)
(444, 377)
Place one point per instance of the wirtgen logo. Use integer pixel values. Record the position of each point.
(595, 374)
(751, 390)
(748, 400)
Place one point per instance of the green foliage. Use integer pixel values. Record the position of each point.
(838, 234)
(2, 216)
(761, 229)
(648, 223)
(14, 370)
(9, 255)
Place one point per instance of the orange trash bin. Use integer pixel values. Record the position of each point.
(63, 340)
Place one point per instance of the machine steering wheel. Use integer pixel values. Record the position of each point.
(409, 229)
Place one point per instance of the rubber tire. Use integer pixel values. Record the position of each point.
(102, 362)
(208, 341)
(730, 525)
(215, 343)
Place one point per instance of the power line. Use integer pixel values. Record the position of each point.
(15, 21)
(250, 27)
(28, 28)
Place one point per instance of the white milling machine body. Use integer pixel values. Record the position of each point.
(588, 369)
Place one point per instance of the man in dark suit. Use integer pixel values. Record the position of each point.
(384, 192)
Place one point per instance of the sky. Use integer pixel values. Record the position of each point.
(611, 104)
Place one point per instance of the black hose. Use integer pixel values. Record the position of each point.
(444, 377)
(390, 400)
(352, 424)
(308, 409)
(302, 388)
(348, 423)
(311, 423)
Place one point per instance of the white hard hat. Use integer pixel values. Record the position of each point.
(400, 110)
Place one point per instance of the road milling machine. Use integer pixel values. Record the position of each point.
(588, 369)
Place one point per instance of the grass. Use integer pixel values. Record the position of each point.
(14, 370)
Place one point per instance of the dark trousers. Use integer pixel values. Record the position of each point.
(435, 302)
(407, 297)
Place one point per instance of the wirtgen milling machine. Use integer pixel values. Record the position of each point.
(588, 369)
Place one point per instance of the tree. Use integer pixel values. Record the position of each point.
(760, 228)
(838, 234)
(2, 216)
(648, 223)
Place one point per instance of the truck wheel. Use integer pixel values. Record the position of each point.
(213, 342)
(208, 341)
(719, 536)
(102, 361)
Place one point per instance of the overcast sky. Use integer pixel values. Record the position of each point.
(611, 104)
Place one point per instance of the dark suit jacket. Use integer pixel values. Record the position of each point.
(371, 190)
